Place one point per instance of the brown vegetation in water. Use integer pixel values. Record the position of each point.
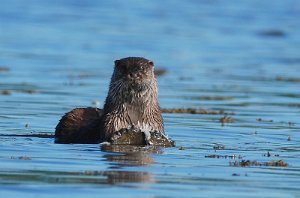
(5, 92)
(21, 158)
(287, 79)
(226, 119)
(212, 98)
(160, 71)
(248, 163)
(195, 111)
(4, 69)
(224, 156)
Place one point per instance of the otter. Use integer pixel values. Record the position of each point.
(131, 105)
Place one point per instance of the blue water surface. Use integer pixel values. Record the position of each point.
(241, 57)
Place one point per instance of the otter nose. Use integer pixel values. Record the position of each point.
(132, 75)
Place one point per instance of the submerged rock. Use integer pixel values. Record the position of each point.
(142, 138)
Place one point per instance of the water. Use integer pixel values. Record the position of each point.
(59, 55)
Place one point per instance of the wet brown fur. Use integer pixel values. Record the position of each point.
(131, 102)
(81, 125)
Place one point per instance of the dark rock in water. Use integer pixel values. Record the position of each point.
(138, 137)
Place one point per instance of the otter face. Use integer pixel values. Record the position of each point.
(134, 70)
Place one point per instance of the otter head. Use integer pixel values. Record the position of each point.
(134, 72)
(133, 81)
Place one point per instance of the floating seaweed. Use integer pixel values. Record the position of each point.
(212, 98)
(218, 147)
(5, 92)
(21, 158)
(4, 69)
(224, 156)
(248, 163)
(160, 71)
(195, 111)
(226, 119)
(287, 79)
(268, 154)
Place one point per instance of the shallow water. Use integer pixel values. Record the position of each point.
(238, 56)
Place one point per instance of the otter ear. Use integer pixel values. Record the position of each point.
(151, 63)
(117, 62)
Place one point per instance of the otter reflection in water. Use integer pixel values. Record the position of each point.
(120, 157)
(131, 114)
